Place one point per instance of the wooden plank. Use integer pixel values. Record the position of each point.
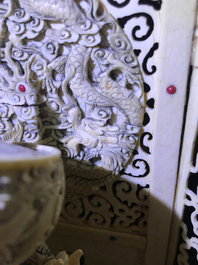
(99, 246)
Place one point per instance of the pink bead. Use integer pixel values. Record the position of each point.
(171, 89)
(22, 88)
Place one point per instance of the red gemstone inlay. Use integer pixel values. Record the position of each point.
(171, 89)
(22, 88)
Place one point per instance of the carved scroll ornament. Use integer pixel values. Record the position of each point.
(69, 78)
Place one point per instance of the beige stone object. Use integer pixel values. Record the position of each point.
(32, 189)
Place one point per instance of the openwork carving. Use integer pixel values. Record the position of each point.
(188, 245)
(69, 78)
(120, 205)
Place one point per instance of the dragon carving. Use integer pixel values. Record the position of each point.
(69, 78)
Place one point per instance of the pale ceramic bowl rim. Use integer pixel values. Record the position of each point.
(48, 154)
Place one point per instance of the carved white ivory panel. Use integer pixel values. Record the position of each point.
(183, 247)
(37, 122)
(69, 78)
(122, 204)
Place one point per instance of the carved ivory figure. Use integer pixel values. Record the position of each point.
(69, 78)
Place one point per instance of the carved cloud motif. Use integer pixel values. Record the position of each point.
(69, 78)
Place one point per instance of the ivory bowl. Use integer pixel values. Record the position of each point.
(32, 186)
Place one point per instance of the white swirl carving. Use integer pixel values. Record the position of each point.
(18, 54)
(119, 43)
(62, 35)
(14, 99)
(19, 16)
(100, 54)
(65, 34)
(16, 28)
(50, 50)
(90, 40)
(101, 114)
(38, 65)
(86, 27)
(26, 113)
(36, 25)
(35, 99)
(31, 137)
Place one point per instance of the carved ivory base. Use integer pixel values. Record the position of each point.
(69, 78)
(32, 185)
